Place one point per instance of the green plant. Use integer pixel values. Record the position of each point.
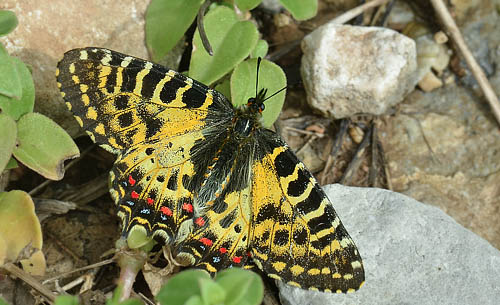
(167, 21)
(32, 139)
(72, 300)
(230, 287)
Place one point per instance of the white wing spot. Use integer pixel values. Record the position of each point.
(126, 61)
(84, 55)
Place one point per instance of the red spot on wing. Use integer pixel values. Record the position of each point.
(188, 207)
(150, 201)
(237, 259)
(206, 241)
(166, 211)
(131, 180)
(200, 221)
(223, 250)
(134, 195)
(249, 254)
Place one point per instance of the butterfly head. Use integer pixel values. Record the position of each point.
(256, 104)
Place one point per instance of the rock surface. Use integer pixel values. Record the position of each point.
(413, 253)
(349, 69)
(47, 29)
(443, 147)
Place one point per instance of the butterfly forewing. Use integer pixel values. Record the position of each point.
(156, 120)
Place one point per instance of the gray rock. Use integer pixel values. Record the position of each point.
(413, 253)
(350, 69)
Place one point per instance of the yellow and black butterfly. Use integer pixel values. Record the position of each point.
(206, 177)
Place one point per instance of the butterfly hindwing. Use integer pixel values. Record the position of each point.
(296, 235)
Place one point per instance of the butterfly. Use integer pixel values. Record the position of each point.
(205, 177)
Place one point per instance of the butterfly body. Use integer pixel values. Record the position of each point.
(204, 176)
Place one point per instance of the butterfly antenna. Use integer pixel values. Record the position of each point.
(274, 93)
(257, 82)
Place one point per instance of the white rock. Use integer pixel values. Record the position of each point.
(412, 253)
(351, 69)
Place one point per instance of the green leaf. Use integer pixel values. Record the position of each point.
(224, 88)
(231, 40)
(8, 135)
(246, 5)
(211, 292)
(15, 108)
(132, 302)
(301, 9)
(260, 49)
(43, 145)
(181, 287)
(11, 164)
(3, 302)
(271, 76)
(66, 300)
(8, 22)
(243, 287)
(195, 300)
(166, 23)
(137, 238)
(20, 232)
(10, 81)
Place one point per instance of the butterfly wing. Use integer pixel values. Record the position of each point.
(220, 238)
(296, 235)
(123, 101)
(157, 121)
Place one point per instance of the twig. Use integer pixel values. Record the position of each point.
(201, 27)
(62, 275)
(350, 14)
(28, 279)
(454, 33)
(356, 160)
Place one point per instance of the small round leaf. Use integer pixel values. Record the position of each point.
(15, 108)
(8, 22)
(246, 5)
(243, 287)
(211, 292)
(8, 134)
(43, 146)
(21, 231)
(271, 77)
(231, 40)
(301, 9)
(137, 238)
(10, 82)
(166, 23)
(260, 49)
(66, 300)
(181, 287)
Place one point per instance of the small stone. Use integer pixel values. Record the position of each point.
(281, 20)
(430, 82)
(350, 69)
(440, 37)
(431, 56)
(356, 134)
